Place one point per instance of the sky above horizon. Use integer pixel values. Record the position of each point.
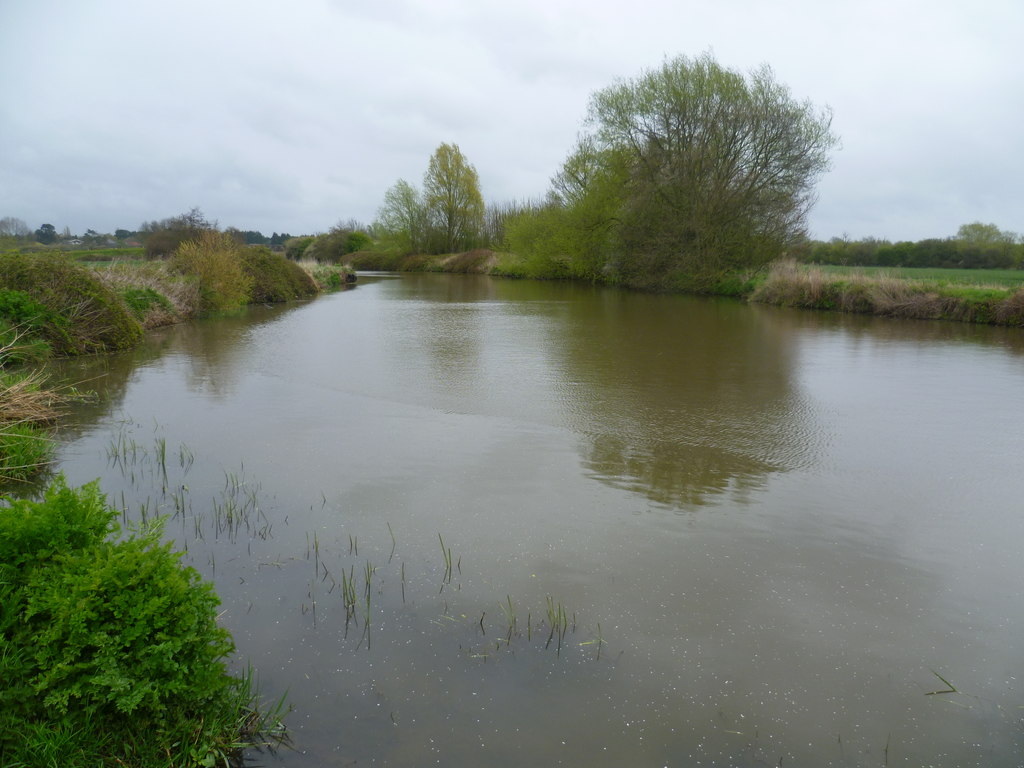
(292, 117)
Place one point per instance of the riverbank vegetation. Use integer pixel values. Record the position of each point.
(110, 651)
(689, 172)
(793, 285)
(696, 178)
(28, 408)
(53, 304)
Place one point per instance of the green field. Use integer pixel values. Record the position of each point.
(1004, 278)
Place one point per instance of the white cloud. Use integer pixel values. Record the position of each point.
(291, 116)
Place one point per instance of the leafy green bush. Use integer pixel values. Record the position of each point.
(110, 653)
(215, 259)
(142, 301)
(79, 313)
(375, 261)
(275, 278)
(296, 247)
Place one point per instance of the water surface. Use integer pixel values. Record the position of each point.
(770, 531)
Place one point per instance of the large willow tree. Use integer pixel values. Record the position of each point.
(451, 191)
(707, 171)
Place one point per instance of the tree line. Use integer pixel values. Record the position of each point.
(975, 246)
(683, 174)
(161, 235)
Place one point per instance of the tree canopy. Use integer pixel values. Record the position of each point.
(452, 197)
(446, 217)
(689, 171)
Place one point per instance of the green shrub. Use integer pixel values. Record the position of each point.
(215, 259)
(296, 247)
(275, 278)
(81, 314)
(142, 301)
(327, 276)
(375, 261)
(110, 650)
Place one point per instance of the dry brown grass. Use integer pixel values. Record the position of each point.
(181, 291)
(480, 261)
(1011, 310)
(24, 398)
(791, 284)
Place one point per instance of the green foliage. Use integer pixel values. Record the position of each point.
(109, 648)
(448, 217)
(402, 220)
(215, 260)
(376, 261)
(81, 314)
(142, 301)
(25, 317)
(691, 171)
(46, 234)
(20, 346)
(333, 247)
(357, 241)
(296, 247)
(273, 277)
(162, 238)
(847, 290)
(976, 246)
(452, 199)
(328, 276)
(25, 451)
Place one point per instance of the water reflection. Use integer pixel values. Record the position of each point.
(211, 353)
(682, 399)
(864, 525)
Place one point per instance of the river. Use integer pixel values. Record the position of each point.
(581, 526)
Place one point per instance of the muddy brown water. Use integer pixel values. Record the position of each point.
(766, 536)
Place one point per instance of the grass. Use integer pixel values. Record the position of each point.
(157, 295)
(28, 408)
(328, 277)
(274, 278)
(1006, 278)
(793, 285)
(77, 312)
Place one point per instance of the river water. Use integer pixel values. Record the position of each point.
(580, 526)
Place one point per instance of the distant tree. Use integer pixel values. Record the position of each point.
(455, 207)
(46, 234)
(980, 234)
(338, 243)
(122, 234)
(162, 238)
(11, 226)
(402, 219)
(295, 247)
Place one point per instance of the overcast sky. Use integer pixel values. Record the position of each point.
(292, 115)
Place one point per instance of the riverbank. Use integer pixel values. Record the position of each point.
(785, 283)
(52, 305)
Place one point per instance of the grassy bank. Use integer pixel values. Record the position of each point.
(53, 304)
(882, 293)
(1007, 278)
(976, 296)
